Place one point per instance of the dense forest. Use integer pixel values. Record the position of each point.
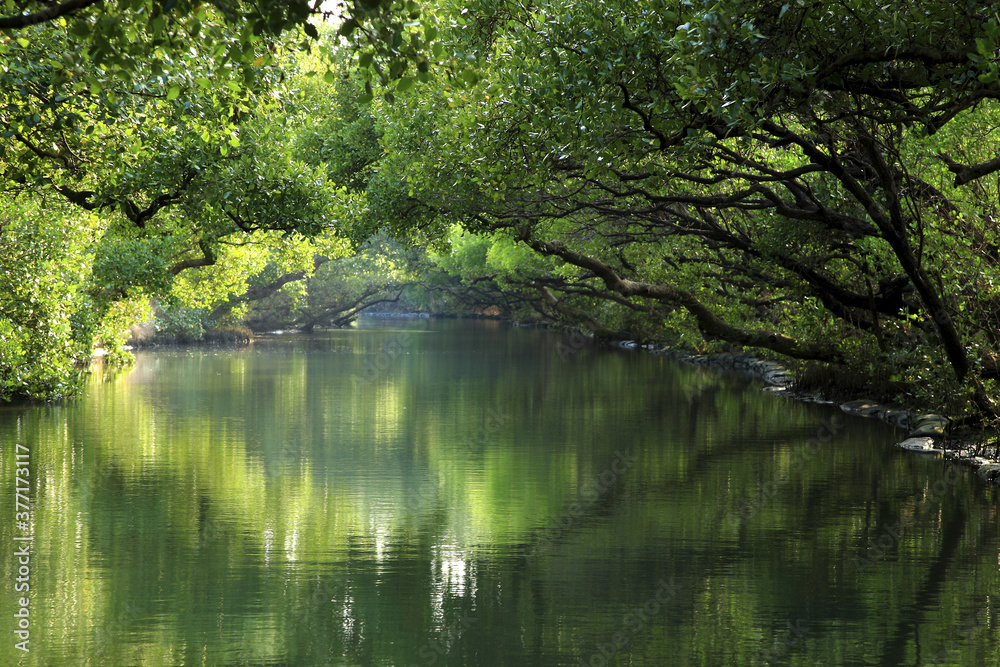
(814, 181)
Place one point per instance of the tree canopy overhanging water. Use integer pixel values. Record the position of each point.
(807, 180)
(814, 183)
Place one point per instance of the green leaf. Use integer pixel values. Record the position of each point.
(330, 77)
(404, 84)
(173, 93)
(80, 29)
(23, 42)
(349, 26)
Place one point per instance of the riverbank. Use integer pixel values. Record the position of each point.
(928, 434)
(147, 335)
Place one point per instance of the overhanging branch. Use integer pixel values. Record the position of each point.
(45, 15)
(965, 173)
(208, 258)
(708, 322)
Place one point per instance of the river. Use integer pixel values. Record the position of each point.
(421, 492)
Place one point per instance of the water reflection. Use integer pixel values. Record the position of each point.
(456, 493)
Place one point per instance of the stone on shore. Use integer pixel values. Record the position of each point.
(990, 472)
(934, 426)
(923, 444)
(864, 408)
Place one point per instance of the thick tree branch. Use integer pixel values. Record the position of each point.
(267, 290)
(48, 155)
(45, 15)
(928, 56)
(139, 217)
(965, 173)
(79, 197)
(340, 315)
(890, 224)
(708, 322)
(345, 317)
(208, 258)
(577, 314)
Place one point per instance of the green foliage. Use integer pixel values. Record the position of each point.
(181, 323)
(45, 326)
(467, 254)
(732, 172)
(132, 266)
(788, 177)
(335, 129)
(118, 136)
(123, 36)
(472, 255)
(173, 147)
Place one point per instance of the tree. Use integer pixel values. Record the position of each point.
(336, 291)
(158, 126)
(775, 176)
(49, 317)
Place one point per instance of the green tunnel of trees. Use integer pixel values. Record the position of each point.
(810, 180)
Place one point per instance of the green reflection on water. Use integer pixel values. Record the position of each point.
(456, 493)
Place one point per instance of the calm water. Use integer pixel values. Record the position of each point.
(426, 493)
